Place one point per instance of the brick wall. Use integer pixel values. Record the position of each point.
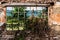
(54, 17)
(3, 14)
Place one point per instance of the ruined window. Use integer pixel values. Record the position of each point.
(17, 17)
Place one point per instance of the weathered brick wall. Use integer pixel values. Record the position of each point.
(54, 17)
(2, 14)
(38, 1)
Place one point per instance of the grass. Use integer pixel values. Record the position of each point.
(21, 28)
(15, 28)
(8, 28)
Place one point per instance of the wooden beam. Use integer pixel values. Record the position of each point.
(25, 4)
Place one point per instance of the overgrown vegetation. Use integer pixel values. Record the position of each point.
(37, 25)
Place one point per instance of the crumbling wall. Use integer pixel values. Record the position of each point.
(54, 17)
(2, 14)
(2, 17)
